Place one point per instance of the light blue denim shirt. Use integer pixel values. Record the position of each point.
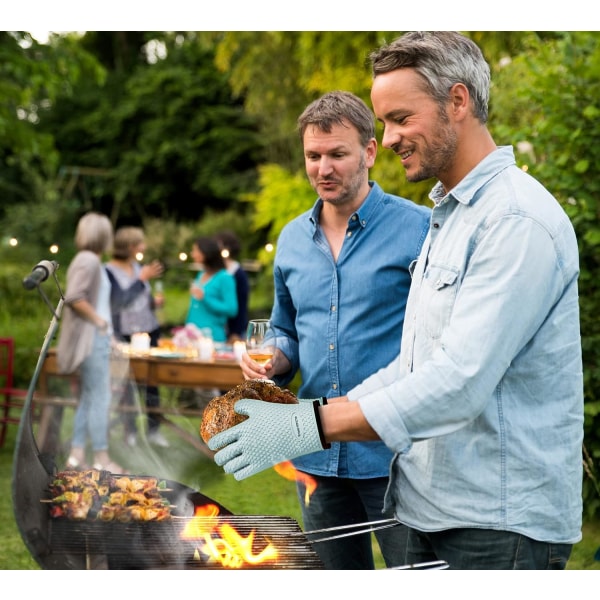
(339, 322)
(484, 406)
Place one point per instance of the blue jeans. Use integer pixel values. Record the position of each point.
(91, 417)
(339, 501)
(485, 549)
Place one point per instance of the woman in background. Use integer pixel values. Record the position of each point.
(213, 295)
(133, 311)
(84, 342)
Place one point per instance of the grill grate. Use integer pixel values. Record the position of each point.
(139, 545)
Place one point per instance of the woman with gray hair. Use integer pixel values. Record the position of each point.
(85, 341)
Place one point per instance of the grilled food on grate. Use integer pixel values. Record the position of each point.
(219, 414)
(102, 496)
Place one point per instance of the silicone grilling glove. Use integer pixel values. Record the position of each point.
(271, 434)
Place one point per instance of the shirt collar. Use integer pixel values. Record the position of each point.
(362, 215)
(467, 188)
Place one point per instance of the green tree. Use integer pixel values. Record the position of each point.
(168, 131)
(32, 76)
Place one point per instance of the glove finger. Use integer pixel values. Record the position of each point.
(235, 465)
(227, 454)
(243, 406)
(248, 471)
(243, 474)
(224, 438)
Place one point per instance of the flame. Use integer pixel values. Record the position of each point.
(221, 542)
(287, 470)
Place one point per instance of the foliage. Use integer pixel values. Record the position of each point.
(169, 136)
(282, 195)
(32, 77)
(548, 98)
(25, 317)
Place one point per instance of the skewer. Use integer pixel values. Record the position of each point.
(365, 528)
(45, 501)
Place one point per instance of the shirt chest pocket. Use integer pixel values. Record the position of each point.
(438, 293)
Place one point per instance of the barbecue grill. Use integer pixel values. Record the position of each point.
(62, 543)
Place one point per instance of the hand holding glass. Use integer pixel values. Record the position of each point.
(258, 347)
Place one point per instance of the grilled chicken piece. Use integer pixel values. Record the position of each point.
(98, 495)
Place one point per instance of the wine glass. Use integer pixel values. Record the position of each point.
(260, 341)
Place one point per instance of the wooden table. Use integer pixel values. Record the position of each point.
(146, 369)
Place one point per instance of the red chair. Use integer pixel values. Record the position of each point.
(11, 399)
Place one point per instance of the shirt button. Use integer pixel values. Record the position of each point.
(334, 386)
(349, 234)
(436, 225)
(333, 308)
(354, 217)
(331, 346)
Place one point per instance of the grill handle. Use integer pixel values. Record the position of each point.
(434, 565)
(351, 529)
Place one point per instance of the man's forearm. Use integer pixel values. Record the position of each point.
(343, 421)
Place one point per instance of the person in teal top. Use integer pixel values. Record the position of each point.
(213, 294)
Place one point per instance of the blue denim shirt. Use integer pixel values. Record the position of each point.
(338, 322)
(484, 406)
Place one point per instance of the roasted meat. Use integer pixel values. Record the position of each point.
(219, 414)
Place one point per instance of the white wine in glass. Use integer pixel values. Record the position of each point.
(259, 348)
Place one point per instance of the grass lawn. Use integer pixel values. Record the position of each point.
(264, 494)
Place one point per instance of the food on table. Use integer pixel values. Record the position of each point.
(220, 415)
(166, 344)
(101, 496)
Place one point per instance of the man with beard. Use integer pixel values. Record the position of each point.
(483, 407)
(341, 277)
